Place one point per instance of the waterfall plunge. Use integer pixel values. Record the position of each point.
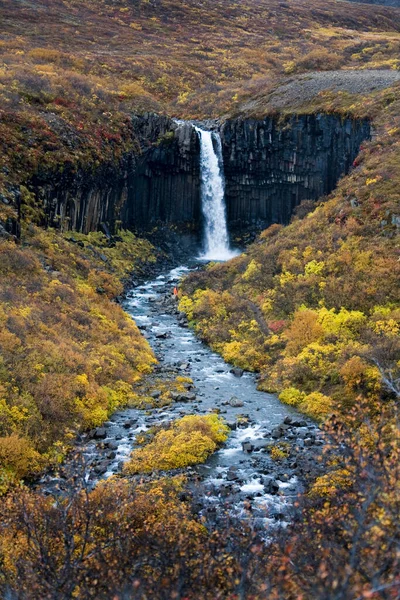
(216, 245)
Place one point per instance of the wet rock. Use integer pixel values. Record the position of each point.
(271, 486)
(232, 425)
(235, 402)
(302, 432)
(156, 394)
(111, 455)
(163, 336)
(277, 433)
(288, 420)
(232, 474)
(101, 468)
(237, 372)
(111, 445)
(308, 442)
(183, 397)
(247, 447)
(260, 444)
(100, 433)
(299, 423)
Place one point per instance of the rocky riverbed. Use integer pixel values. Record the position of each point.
(261, 468)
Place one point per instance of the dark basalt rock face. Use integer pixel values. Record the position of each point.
(82, 201)
(164, 187)
(158, 182)
(270, 168)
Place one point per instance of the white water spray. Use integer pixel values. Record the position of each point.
(216, 245)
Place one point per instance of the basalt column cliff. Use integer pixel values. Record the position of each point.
(270, 167)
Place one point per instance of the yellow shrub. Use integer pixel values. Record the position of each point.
(303, 330)
(280, 451)
(292, 396)
(330, 483)
(17, 456)
(316, 405)
(190, 441)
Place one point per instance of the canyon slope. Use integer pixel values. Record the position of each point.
(100, 190)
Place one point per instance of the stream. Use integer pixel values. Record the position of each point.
(240, 478)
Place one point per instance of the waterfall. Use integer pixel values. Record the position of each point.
(216, 239)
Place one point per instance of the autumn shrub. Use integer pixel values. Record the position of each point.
(316, 405)
(188, 441)
(292, 396)
(18, 456)
(331, 483)
(320, 59)
(280, 451)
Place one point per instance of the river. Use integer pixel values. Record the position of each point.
(241, 477)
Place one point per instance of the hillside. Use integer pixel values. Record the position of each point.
(71, 73)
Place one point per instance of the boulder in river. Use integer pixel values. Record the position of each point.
(247, 446)
(163, 336)
(235, 402)
(232, 474)
(277, 432)
(237, 371)
(111, 445)
(100, 433)
(271, 486)
(260, 444)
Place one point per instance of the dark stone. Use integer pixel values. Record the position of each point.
(247, 447)
(260, 444)
(235, 402)
(276, 433)
(232, 474)
(100, 433)
(237, 372)
(185, 397)
(111, 445)
(271, 486)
